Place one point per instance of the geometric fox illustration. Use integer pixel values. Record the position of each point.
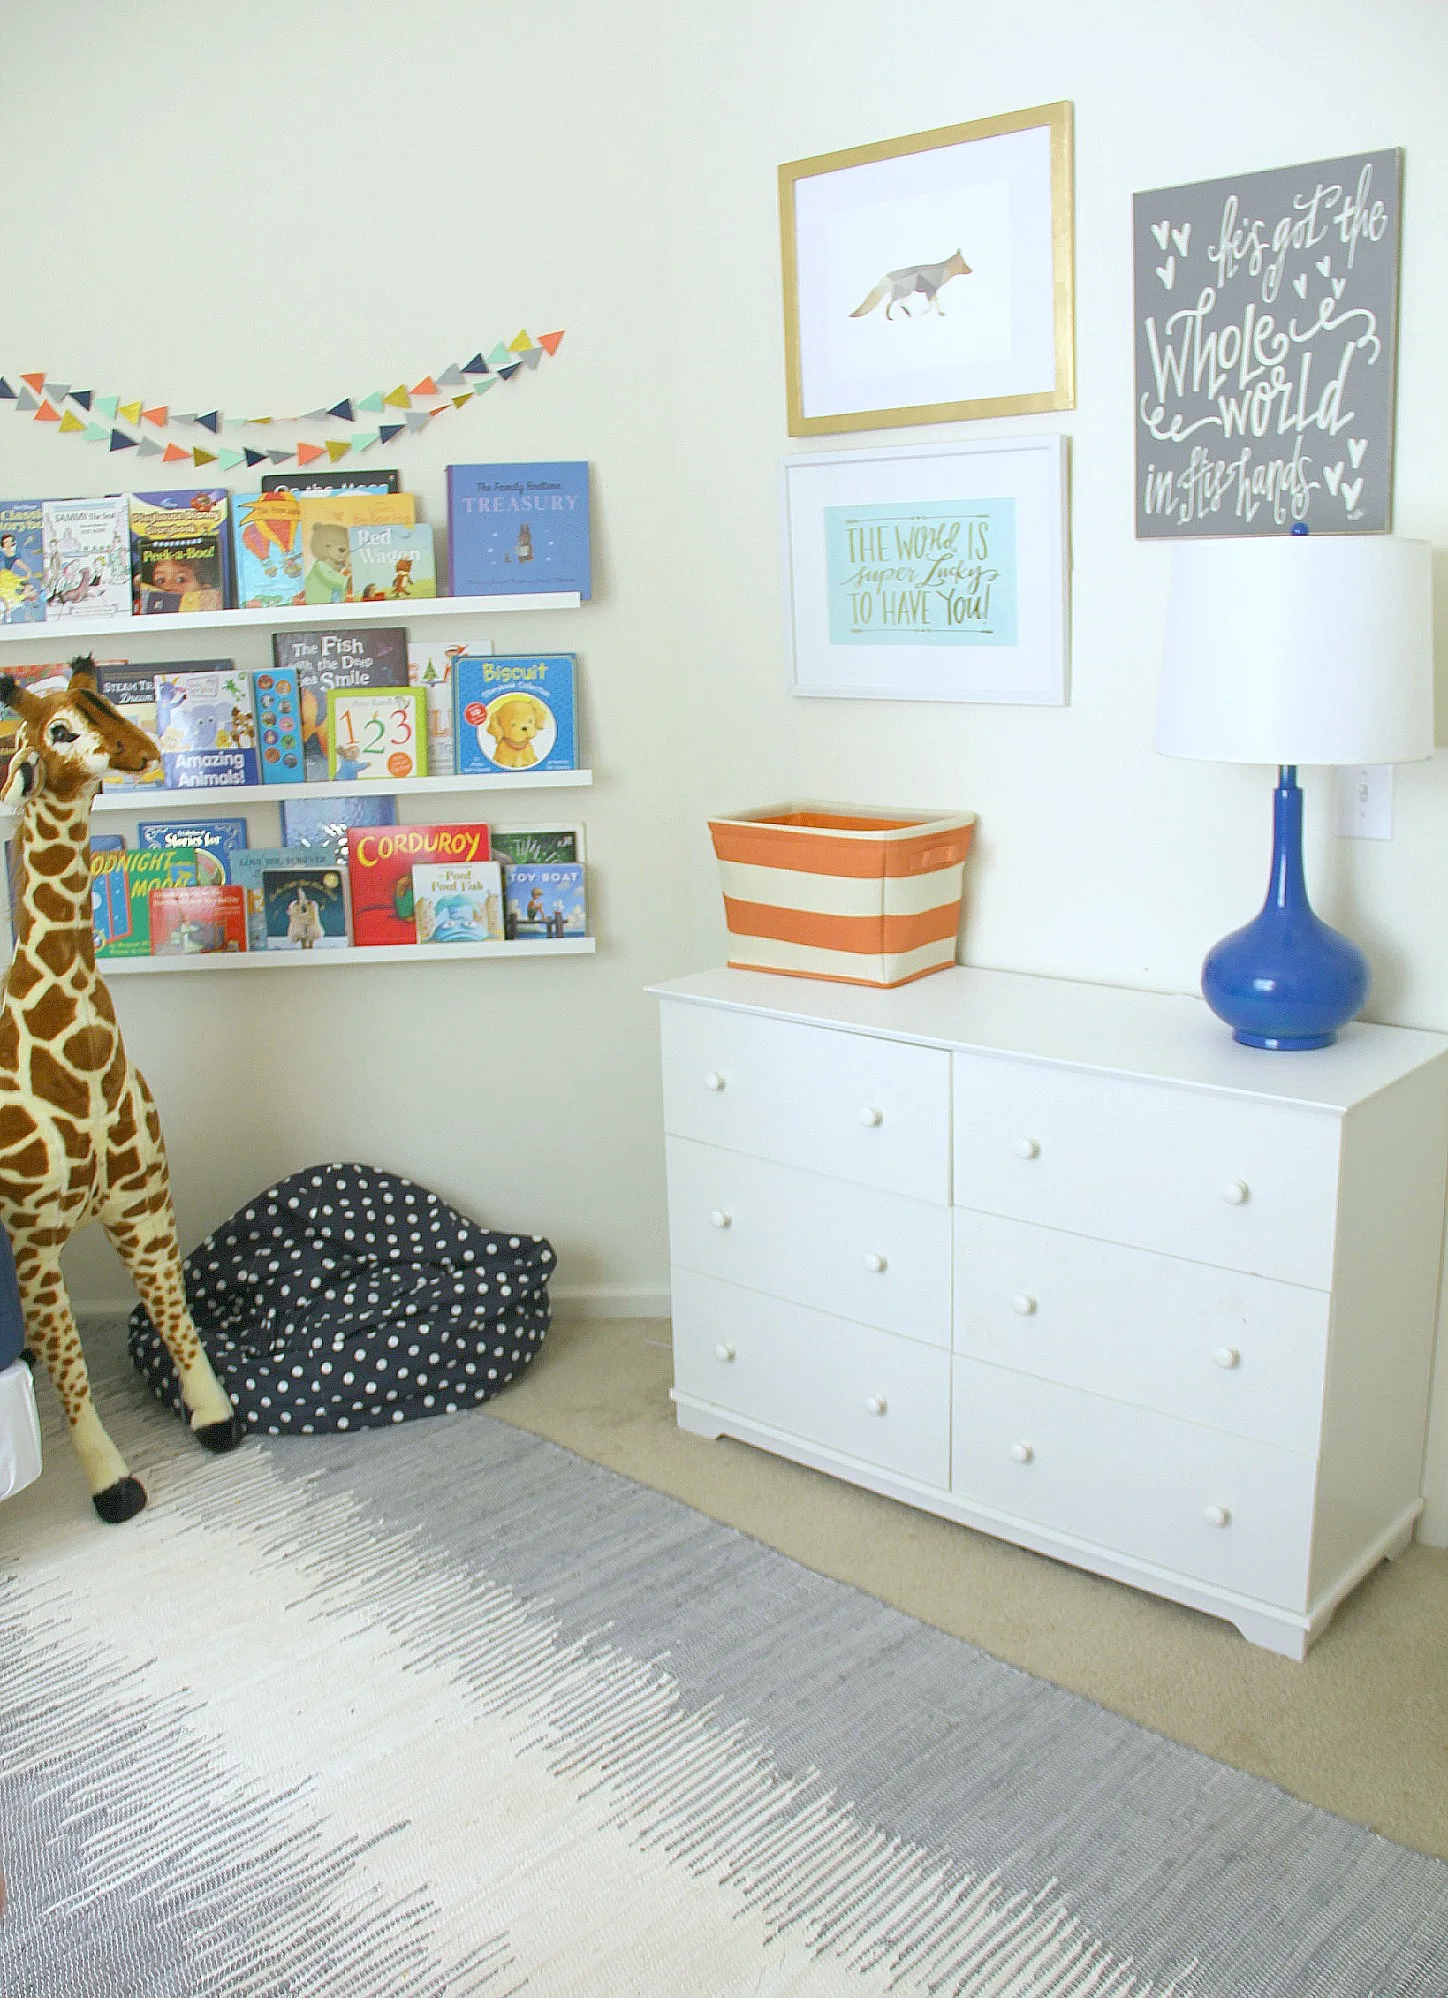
(926, 278)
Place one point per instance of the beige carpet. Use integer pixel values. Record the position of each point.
(1360, 1728)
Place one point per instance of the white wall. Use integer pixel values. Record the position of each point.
(612, 171)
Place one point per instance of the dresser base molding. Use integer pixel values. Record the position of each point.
(1266, 1624)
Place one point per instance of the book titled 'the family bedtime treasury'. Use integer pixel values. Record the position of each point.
(516, 529)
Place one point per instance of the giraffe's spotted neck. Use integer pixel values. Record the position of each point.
(53, 893)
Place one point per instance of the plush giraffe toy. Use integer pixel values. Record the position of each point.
(80, 1139)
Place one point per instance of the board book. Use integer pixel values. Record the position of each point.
(325, 822)
(545, 901)
(514, 712)
(430, 666)
(22, 562)
(321, 660)
(515, 529)
(390, 564)
(377, 734)
(87, 549)
(380, 861)
(305, 908)
(266, 537)
(181, 551)
(206, 728)
(215, 841)
(277, 701)
(121, 885)
(329, 482)
(454, 905)
(189, 922)
(246, 872)
(519, 845)
(44, 677)
(327, 519)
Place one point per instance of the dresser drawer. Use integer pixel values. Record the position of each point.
(1218, 1508)
(879, 1258)
(881, 1400)
(858, 1108)
(1216, 1178)
(1237, 1352)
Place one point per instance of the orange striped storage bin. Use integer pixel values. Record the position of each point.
(832, 891)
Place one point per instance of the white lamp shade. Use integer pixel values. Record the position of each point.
(1299, 649)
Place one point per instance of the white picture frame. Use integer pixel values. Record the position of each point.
(928, 572)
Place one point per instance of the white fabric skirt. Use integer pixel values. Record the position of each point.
(19, 1430)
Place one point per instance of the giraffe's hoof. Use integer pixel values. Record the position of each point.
(120, 1501)
(219, 1437)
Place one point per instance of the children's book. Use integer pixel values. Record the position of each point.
(22, 563)
(458, 904)
(518, 846)
(188, 921)
(326, 521)
(132, 689)
(277, 701)
(391, 564)
(377, 734)
(181, 551)
(305, 907)
(515, 712)
(513, 529)
(430, 666)
(45, 678)
(121, 885)
(329, 482)
(87, 549)
(325, 822)
(344, 658)
(103, 842)
(380, 861)
(247, 869)
(215, 842)
(545, 901)
(206, 728)
(266, 532)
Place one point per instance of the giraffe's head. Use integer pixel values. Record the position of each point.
(69, 739)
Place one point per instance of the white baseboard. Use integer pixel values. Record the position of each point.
(585, 1300)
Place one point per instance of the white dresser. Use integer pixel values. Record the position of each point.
(1064, 1263)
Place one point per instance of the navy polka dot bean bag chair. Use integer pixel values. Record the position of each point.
(347, 1298)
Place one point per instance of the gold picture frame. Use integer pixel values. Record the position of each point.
(1006, 184)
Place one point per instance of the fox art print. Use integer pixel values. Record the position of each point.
(898, 287)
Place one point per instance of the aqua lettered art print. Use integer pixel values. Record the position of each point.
(933, 572)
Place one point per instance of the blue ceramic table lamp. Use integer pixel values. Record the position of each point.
(1292, 649)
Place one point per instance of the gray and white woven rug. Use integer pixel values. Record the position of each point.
(444, 1710)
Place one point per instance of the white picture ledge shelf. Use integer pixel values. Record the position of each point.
(214, 797)
(60, 631)
(312, 960)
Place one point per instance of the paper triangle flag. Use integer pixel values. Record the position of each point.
(255, 457)
(8, 393)
(337, 448)
(476, 366)
(399, 398)
(156, 415)
(450, 378)
(85, 397)
(499, 354)
(520, 345)
(507, 374)
(307, 452)
(121, 442)
(427, 386)
(481, 388)
(281, 457)
(25, 402)
(549, 342)
(200, 457)
(263, 419)
(343, 409)
(57, 391)
(185, 416)
(46, 414)
(417, 419)
(148, 448)
(228, 459)
(37, 382)
(106, 406)
(131, 411)
(212, 420)
(70, 421)
(459, 400)
(391, 430)
(533, 356)
(96, 433)
(174, 454)
(365, 441)
(372, 402)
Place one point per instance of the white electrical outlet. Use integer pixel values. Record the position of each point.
(1365, 801)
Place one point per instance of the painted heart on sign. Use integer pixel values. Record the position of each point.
(1181, 237)
(1339, 286)
(1299, 285)
(1161, 230)
(1324, 264)
(1351, 493)
(1332, 476)
(1167, 272)
(1356, 448)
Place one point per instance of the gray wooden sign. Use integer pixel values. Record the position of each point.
(1266, 332)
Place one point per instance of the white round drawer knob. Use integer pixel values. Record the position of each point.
(720, 1219)
(1022, 1452)
(713, 1080)
(875, 1263)
(1218, 1515)
(1227, 1356)
(1023, 1303)
(876, 1404)
(1027, 1148)
(870, 1117)
(1235, 1192)
(724, 1353)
